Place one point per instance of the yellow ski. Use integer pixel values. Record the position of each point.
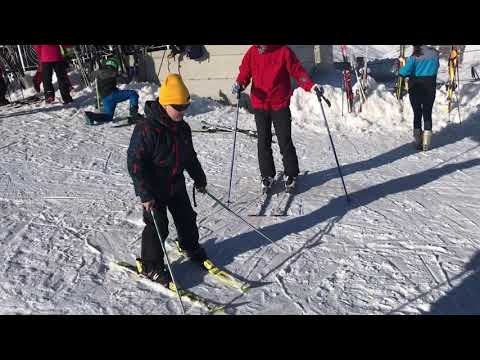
(186, 295)
(225, 277)
(452, 75)
(220, 274)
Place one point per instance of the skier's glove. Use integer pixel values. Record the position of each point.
(201, 189)
(316, 86)
(237, 88)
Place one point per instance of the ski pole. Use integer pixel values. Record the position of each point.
(233, 149)
(245, 221)
(161, 63)
(168, 261)
(320, 97)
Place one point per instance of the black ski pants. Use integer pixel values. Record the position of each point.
(282, 122)
(422, 96)
(60, 72)
(185, 219)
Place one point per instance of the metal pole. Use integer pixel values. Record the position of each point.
(161, 63)
(320, 96)
(233, 149)
(245, 221)
(168, 261)
(21, 57)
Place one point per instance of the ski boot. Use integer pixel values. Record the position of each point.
(49, 99)
(290, 183)
(67, 100)
(89, 120)
(267, 183)
(427, 140)
(198, 255)
(154, 271)
(417, 136)
(36, 86)
(134, 117)
(4, 102)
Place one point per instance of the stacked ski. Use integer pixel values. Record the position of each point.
(400, 85)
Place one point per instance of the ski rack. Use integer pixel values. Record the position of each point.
(27, 59)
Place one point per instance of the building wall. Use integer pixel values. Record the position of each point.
(214, 75)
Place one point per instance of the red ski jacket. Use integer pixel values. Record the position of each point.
(49, 53)
(270, 72)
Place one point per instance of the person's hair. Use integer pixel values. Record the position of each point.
(417, 50)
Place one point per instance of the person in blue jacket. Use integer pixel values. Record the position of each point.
(422, 68)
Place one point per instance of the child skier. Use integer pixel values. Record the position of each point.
(109, 94)
(422, 69)
(160, 150)
(269, 67)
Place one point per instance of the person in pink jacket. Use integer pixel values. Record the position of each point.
(38, 79)
(51, 59)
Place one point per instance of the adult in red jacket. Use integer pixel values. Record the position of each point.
(270, 67)
(51, 58)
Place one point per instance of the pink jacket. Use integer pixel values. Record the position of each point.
(49, 53)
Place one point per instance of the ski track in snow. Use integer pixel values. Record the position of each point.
(407, 244)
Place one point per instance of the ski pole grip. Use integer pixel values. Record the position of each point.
(320, 97)
(327, 101)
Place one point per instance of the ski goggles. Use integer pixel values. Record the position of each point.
(180, 108)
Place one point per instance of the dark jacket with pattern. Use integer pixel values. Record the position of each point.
(107, 78)
(160, 150)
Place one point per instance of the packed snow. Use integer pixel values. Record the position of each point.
(406, 244)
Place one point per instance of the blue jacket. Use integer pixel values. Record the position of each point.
(424, 65)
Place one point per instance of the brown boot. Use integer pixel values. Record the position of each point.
(427, 140)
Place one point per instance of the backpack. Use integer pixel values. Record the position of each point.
(194, 51)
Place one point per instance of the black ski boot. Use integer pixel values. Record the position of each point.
(290, 184)
(154, 271)
(198, 255)
(67, 100)
(267, 183)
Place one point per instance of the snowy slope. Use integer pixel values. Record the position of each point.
(407, 244)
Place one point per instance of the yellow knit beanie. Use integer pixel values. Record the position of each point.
(173, 91)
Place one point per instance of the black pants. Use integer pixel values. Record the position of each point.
(282, 122)
(185, 219)
(422, 97)
(60, 72)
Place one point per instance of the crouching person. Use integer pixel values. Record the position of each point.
(107, 91)
(161, 148)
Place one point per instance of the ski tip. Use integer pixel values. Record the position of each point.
(245, 288)
(217, 309)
